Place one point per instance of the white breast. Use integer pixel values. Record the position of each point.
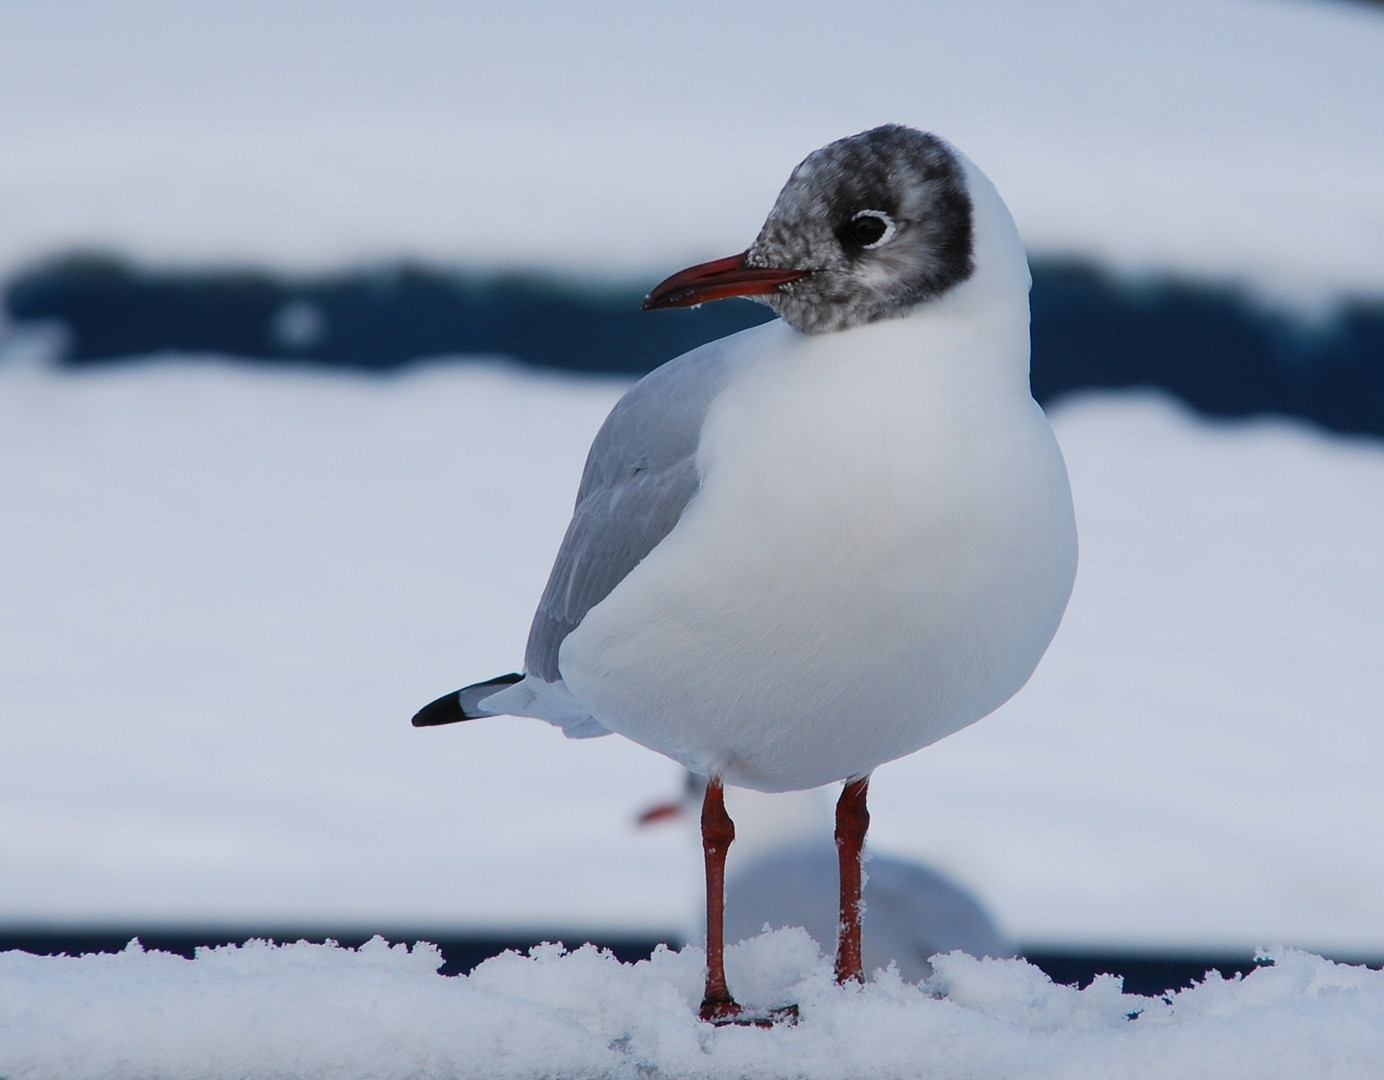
(880, 552)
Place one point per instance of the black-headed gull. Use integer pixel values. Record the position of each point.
(823, 543)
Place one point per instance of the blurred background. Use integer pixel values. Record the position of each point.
(309, 315)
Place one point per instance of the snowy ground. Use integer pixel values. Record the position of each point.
(310, 1011)
(227, 589)
(1231, 139)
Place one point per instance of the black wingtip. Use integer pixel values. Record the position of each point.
(445, 710)
(448, 709)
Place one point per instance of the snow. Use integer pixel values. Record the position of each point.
(1222, 139)
(228, 588)
(308, 1010)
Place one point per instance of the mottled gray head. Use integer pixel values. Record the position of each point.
(865, 229)
(881, 219)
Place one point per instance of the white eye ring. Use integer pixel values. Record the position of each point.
(889, 227)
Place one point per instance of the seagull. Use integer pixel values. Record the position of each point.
(818, 545)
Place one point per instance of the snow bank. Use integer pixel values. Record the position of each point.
(310, 1011)
(1217, 138)
(227, 590)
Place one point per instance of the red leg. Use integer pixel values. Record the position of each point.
(852, 819)
(717, 833)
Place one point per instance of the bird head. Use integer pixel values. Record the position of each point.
(866, 228)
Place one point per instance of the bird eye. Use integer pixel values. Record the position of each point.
(869, 229)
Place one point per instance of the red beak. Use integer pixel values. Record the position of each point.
(717, 280)
(662, 812)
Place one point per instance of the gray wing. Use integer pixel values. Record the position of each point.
(640, 475)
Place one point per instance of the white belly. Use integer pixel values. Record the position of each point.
(875, 560)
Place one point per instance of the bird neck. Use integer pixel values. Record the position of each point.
(993, 301)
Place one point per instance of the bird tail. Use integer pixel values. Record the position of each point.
(463, 704)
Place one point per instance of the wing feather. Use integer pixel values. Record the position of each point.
(640, 475)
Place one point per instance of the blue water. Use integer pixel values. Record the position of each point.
(1212, 347)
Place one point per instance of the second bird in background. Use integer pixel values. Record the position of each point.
(781, 872)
